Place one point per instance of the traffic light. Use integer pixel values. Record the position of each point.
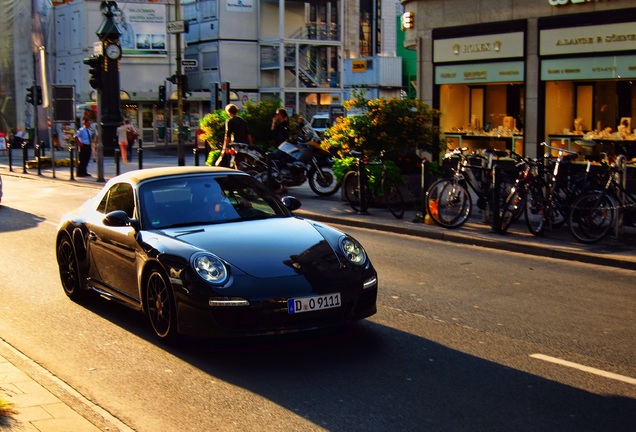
(38, 95)
(95, 69)
(30, 95)
(162, 94)
(184, 84)
(172, 79)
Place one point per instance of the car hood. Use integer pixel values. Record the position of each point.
(264, 248)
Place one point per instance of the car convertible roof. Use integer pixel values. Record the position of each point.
(139, 176)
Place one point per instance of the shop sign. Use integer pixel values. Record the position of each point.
(485, 47)
(599, 38)
(358, 66)
(240, 5)
(480, 73)
(589, 68)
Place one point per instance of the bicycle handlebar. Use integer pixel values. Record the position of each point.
(572, 152)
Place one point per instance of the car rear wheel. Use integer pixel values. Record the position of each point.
(160, 306)
(69, 268)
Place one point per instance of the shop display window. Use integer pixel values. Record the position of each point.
(599, 112)
(487, 116)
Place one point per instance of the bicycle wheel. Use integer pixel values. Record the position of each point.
(352, 190)
(592, 216)
(448, 203)
(512, 207)
(393, 198)
(559, 206)
(507, 186)
(535, 210)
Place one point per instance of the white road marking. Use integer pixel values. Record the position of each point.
(584, 368)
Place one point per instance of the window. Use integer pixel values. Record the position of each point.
(204, 10)
(210, 60)
(119, 197)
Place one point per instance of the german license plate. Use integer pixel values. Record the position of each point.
(313, 303)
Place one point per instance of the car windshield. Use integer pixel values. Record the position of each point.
(320, 123)
(205, 199)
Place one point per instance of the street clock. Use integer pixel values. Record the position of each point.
(113, 51)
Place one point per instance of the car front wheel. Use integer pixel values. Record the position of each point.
(69, 268)
(160, 306)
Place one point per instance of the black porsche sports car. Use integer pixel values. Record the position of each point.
(212, 252)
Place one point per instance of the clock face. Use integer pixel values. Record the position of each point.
(113, 51)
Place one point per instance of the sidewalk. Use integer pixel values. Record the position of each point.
(45, 403)
(40, 410)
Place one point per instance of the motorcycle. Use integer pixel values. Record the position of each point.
(291, 165)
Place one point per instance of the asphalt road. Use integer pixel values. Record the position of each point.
(465, 339)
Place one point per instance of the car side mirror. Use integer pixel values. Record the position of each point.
(119, 218)
(292, 203)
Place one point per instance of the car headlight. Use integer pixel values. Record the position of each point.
(353, 251)
(210, 268)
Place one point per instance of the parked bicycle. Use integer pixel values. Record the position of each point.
(359, 193)
(534, 178)
(549, 196)
(448, 200)
(595, 213)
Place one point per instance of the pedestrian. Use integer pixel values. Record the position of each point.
(280, 126)
(85, 136)
(236, 131)
(122, 139)
(132, 135)
(94, 146)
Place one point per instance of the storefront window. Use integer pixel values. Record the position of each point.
(130, 112)
(483, 116)
(601, 110)
(147, 123)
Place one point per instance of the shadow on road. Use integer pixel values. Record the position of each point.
(369, 377)
(17, 220)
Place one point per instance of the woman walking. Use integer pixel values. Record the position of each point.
(122, 138)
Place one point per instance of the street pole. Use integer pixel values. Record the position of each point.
(180, 144)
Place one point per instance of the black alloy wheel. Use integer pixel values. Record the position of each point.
(69, 268)
(160, 306)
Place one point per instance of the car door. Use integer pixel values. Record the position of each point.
(113, 249)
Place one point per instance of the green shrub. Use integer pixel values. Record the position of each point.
(397, 126)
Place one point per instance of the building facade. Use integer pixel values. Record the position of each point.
(308, 54)
(514, 74)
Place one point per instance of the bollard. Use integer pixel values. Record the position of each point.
(117, 154)
(10, 157)
(362, 185)
(140, 153)
(38, 159)
(494, 199)
(195, 151)
(72, 161)
(25, 156)
(424, 183)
